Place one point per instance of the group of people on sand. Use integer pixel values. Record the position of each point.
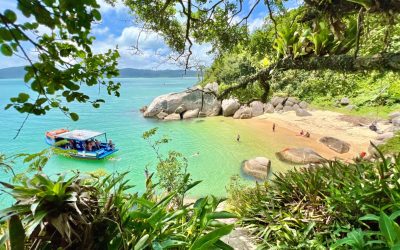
(305, 134)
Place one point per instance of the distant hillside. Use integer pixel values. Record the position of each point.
(19, 72)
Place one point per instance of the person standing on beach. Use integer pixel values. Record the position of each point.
(238, 138)
(273, 127)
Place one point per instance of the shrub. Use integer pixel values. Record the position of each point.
(315, 206)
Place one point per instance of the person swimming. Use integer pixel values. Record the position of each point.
(238, 138)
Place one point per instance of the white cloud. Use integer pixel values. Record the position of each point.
(255, 24)
(100, 31)
(106, 7)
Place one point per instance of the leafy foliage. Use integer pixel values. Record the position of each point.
(64, 60)
(319, 205)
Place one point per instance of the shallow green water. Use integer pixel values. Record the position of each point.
(220, 156)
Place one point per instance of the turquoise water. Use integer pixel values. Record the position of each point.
(214, 139)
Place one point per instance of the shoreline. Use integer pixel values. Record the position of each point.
(321, 123)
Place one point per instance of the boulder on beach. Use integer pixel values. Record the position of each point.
(344, 101)
(302, 112)
(230, 106)
(396, 121)
(335, 144)
(257, 108)
(211, 87)
(299, 156)
(287, 108)
(243, 112)
(162, 115)
(191, 114)
(385, 136)
(279, 107)
(276, 100)
(258, 167)
(172, 117)
(191, 99)
(303, 105)
(394, 115)
(296, 107)
(269, 108)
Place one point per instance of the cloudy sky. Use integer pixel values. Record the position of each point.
(118, 29)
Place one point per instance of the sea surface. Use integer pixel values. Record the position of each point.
(209, 144)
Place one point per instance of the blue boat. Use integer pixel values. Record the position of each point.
(84, 144)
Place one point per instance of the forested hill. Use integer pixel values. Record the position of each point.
(19, 72)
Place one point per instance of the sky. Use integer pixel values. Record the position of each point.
(118, 29)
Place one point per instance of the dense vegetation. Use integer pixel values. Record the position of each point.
(336, 205)
(95, 211)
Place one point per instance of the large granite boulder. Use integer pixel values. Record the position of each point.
(302, 112)
(211, 87)
(191, 114)
(385, 136)
(299, 156)
(172, 117)
(293, 100)
(162, 115)
(180, 109)
(258, 167)
(394, 115)
(287, 108)
(269, 108)
(303, 105)
(279, 107)
(230, 106)
(335, 144)
(243, 112)
(344, 101)
(277, 100)
(257, 108)
(191, 99)
(396, 121)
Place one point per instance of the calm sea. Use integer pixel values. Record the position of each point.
(209, 144)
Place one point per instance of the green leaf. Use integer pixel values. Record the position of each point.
(370, 217)
(74, 116)
(387, 229)
(96, 14)
(206, 241)
(16, 233)
(10, 15)
(6, 50)
(141, 244)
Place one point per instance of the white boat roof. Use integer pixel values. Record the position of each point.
(80, 135)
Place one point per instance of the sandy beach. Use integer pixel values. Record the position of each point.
(353, 130)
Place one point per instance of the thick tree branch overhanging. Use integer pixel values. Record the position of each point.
(339, 63)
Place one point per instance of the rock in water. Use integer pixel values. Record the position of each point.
(230, 106)
(257, 108)
(299, 156)
(162, 115)
(190, 100)
(335, 144)
(243, 113)
(172, 117)
(258, 167)
(345, 101)
(191, 114)
(302, 112)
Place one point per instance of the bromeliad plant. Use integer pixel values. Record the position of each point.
(316, 206)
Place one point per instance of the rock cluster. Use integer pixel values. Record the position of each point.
(258, 167)
(192, 103)
(284, 104)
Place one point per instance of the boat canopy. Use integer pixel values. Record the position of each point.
(80, 135)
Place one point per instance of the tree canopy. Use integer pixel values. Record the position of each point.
(58, 32)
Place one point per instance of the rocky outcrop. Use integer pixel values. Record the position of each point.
(191, 114)
(394, 115)
(258, 167)
(299, 156)
(385, 136)
(243, 112)
(396, 121)
(285, 104)
(269, 108)
(196, 98)
(230, 106)
(335, 144)
(257, 108)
